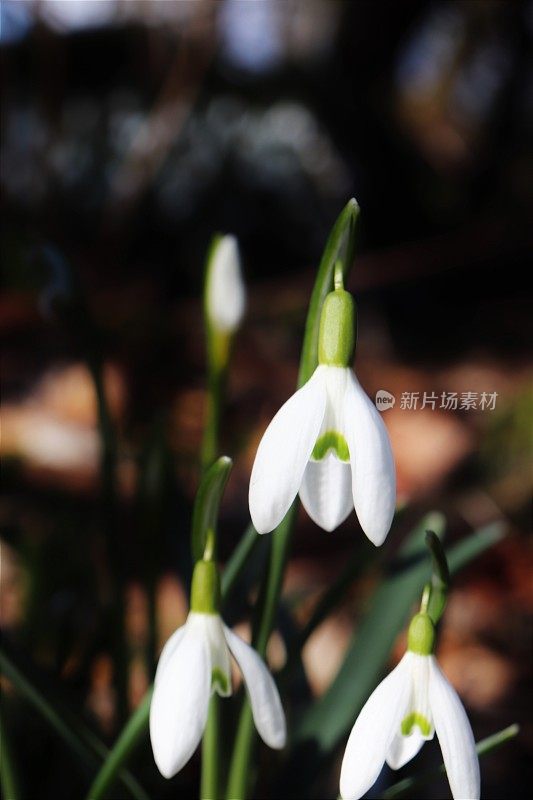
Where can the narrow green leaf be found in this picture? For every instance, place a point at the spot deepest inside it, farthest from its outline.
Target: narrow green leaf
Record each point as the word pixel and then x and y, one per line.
pixel 327 603
pixel 206 505
pixel 483 748
pixel 46 710
pixel 81 741
pixel 339 249
pixel 330 718
pixel 132 733
pixel 239 557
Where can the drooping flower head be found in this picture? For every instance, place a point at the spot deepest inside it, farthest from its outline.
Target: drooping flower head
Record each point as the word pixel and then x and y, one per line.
pixel 412 704
pixel 195 663
pixel 327 442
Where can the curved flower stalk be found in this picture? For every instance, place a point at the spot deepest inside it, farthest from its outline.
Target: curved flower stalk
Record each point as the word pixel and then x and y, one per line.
pixel 327 442
pixel 195 663
pixel 412 704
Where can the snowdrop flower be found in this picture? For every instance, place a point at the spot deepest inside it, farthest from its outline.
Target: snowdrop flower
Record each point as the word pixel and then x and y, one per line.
pixel 194 663
pixel 327 442
pixel 407 708
pixel 224 291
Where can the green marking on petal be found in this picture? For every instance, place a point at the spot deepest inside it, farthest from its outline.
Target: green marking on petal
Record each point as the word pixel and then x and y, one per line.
pixel 220 679
pixel 331 440
pixel 416 719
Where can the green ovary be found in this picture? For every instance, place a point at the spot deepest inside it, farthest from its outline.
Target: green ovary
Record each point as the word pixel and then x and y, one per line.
pixel 331 440
pixel 220 679
pixel 409 722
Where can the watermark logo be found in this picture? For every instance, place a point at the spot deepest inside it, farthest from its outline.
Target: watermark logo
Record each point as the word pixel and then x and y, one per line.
pixel 384 400
pixel 449 401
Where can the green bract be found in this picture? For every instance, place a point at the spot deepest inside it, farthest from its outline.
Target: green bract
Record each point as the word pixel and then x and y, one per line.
pixel 421 635
pixel 336 340
pixel 205 590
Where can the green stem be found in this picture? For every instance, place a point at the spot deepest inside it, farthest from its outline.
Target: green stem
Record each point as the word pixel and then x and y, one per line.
pixel 483 747
pixel 217 362
pixel 216 384
pixel 270 593
pixel 8 773
pixel 426 595
pixel 210 760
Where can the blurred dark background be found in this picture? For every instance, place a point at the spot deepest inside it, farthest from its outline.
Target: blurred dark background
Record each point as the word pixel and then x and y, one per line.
pixel 131 133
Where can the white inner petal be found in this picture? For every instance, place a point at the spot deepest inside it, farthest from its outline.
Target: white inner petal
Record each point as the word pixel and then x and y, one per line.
pixel 418 716
pixel 213 630
pixel 335 379
pixel 326 491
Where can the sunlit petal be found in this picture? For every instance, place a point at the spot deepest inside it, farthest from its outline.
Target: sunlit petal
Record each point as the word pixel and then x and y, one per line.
pixel 373 472
pixel 373 732
pixel 178 711
pixel 455 736
pixel 264 697
pixel 283 454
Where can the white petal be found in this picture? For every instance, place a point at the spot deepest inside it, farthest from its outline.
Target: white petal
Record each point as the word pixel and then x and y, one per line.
pixel 326 491
pixel 225 294
pixel 455 736
pixel 373 732
pixel 283 453
pixel 178 711
pixel 373 473
pixel 403 748
pixel 213 629
pixel 168 650
pixel 264 697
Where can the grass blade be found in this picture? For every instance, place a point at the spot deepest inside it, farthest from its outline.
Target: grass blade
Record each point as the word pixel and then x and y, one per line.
pixel 132 733
pixel 80 740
